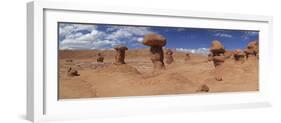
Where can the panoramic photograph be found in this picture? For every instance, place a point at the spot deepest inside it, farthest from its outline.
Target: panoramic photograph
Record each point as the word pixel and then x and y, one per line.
pixel 107 60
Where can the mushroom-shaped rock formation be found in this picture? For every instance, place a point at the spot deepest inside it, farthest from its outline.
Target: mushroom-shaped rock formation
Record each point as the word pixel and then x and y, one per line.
pixel 120 54
pixel 169 56
pixel 187 57
pixel 217 48
pixel 71 72
pixel 239 56
pixel 217 56
pixel 253 45
pixel 252 50
pixel 156 42
pixel 100 58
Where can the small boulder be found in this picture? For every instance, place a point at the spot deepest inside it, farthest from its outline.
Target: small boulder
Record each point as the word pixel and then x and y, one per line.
pixel 100 58
pixel 71 72
pixel 204 88
pixel 187 57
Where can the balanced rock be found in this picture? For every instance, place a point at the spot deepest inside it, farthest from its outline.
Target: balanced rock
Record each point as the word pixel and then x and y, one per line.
pixel 156 42
pixel 217 56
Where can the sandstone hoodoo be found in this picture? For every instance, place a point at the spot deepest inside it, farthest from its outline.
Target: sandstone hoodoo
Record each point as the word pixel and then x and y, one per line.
pixel 169 56
pixel 120 54
pixel 239 56
pixel 100 58
pixel 71 72
pixel 252 50
pixel 156 42
pixel 217 56
pixel 187 57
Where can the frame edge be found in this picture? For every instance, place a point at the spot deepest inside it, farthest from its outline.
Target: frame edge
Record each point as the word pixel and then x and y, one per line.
pixel 30 60
pixel 35 79
pixel 34 101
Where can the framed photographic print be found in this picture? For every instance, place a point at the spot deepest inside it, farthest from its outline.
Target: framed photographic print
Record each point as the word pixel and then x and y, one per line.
pixel 96 61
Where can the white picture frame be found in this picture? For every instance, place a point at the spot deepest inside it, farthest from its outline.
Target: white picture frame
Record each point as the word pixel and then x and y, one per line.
pixel 42 103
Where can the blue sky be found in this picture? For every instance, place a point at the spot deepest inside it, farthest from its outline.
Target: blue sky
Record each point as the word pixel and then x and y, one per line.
pixel 101 36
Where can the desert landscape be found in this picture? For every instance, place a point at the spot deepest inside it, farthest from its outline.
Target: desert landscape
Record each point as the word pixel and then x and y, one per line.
pixel 156 70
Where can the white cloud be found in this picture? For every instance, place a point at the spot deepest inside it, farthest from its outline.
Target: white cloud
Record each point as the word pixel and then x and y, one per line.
pixel 248 34
pixel 251 33
pixel 73 38
pixel 202 51
pixel 140 39
pixel 225 35
pixel 74 44
pixel 66 30
pixel 94 35
pixel 127 31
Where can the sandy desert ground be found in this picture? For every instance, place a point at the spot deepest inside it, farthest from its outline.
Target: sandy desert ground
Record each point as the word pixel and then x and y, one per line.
pixel 136 77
